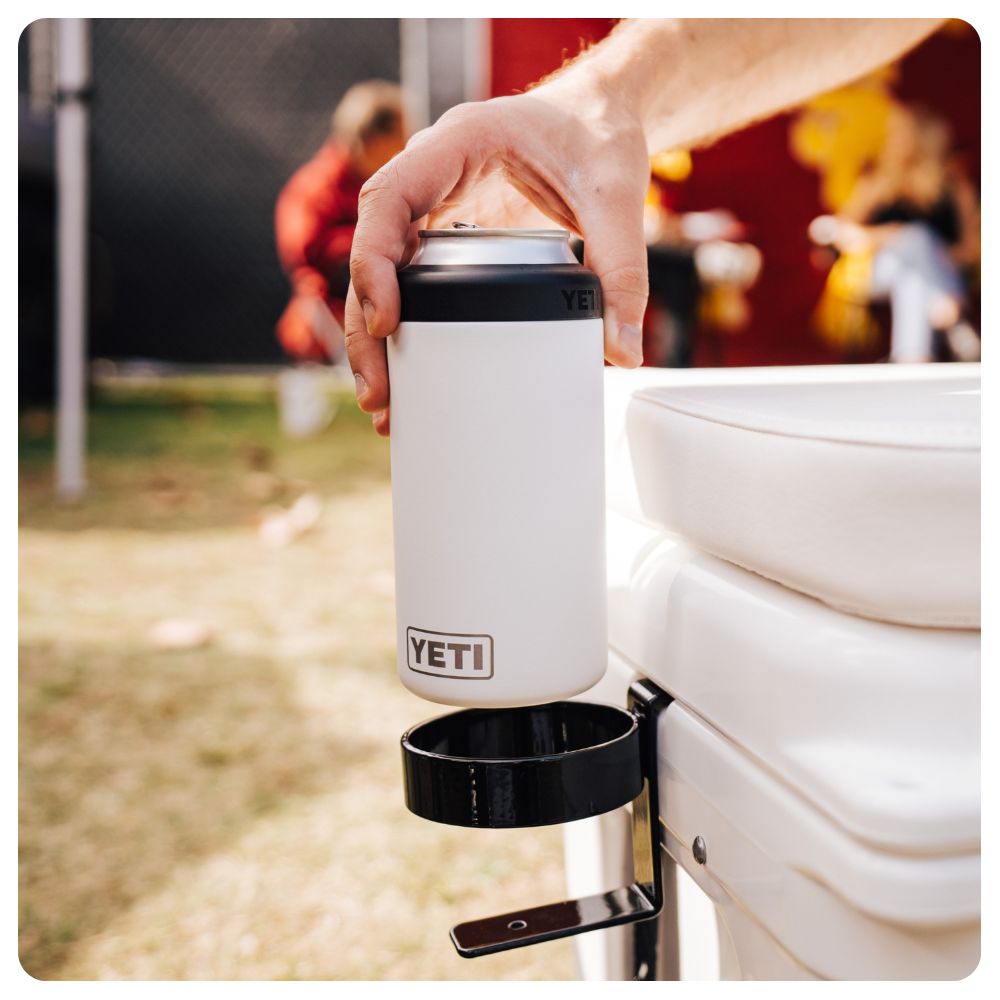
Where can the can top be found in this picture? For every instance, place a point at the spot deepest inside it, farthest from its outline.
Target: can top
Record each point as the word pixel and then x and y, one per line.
pixel 466 244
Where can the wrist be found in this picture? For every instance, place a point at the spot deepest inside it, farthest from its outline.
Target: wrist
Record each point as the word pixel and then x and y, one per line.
pixel 308 282
pixel 594 93
pixel 630 78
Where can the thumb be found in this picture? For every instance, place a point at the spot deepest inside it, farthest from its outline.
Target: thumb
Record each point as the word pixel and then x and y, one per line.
pixel 615 250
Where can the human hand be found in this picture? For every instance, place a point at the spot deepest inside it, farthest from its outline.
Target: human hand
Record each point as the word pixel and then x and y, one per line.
pixel 567 150
pixel 847 236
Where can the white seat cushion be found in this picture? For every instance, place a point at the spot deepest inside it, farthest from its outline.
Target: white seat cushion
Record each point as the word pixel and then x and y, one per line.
pixel 855 485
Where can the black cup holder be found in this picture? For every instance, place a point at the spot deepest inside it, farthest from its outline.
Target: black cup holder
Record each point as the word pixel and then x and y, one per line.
pixel 513 767
pixel 535 766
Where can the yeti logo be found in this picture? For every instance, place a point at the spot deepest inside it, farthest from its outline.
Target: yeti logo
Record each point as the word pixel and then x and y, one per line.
pixel 580 299
pixel 449 654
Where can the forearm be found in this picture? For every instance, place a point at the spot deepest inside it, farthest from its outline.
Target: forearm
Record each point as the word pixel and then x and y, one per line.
pixel 576 148
pixel 688 81
pixel 969 247
pixel 332 257
pixel 967 253
pixel 308 282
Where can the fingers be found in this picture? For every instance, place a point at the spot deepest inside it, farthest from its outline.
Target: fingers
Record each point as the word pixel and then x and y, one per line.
pixel 616 252
pixel 366 356
pixel 380 421
pixel 404 190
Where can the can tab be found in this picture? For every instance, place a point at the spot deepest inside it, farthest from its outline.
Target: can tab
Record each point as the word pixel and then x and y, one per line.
pixel 465 225
pixel 640 901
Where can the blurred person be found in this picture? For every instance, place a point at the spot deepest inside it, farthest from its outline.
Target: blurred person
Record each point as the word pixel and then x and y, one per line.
pixel 699 272
pixel 317 211
pixel 575 149
pixel 908 229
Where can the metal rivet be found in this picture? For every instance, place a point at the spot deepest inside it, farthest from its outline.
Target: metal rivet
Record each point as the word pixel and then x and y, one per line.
pixel 517 925
pixel 699 850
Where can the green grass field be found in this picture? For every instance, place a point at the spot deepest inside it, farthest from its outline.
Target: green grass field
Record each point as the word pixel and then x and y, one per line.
pixel 232 811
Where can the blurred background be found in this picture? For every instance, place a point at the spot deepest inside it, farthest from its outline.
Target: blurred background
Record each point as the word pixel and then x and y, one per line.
pixel 209 710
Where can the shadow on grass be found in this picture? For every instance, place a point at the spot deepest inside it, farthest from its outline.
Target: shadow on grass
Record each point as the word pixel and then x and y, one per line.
pixel 134 764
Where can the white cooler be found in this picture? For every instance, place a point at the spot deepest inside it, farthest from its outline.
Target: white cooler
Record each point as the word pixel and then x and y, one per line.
pixel 793 556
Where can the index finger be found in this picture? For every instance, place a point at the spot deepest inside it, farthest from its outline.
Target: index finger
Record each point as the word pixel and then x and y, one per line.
pixel 404 190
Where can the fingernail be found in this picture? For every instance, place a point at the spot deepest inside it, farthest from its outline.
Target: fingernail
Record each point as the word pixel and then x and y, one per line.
pixel 369 310
pixel 630 341
pixel 360 385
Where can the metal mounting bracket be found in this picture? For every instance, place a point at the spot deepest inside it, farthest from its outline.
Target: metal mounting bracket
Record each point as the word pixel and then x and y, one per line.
pixel 642 900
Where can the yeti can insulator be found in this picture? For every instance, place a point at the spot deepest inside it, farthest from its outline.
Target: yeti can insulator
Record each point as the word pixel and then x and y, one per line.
pixel 496 376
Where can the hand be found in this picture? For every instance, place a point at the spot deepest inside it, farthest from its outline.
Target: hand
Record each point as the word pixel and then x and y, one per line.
pixel 854 238
pixel 847 236
pixel 566 150
pixel 823 230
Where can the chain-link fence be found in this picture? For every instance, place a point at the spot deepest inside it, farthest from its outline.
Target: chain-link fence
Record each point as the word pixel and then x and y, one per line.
pixel 196 125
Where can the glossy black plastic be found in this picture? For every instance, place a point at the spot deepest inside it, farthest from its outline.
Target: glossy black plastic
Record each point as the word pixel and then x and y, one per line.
pixel 556 920
pixel 522 767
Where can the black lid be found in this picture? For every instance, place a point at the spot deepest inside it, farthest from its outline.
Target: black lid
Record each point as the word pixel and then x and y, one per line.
pixel 514 767
pixel 498 293
pixel 467 274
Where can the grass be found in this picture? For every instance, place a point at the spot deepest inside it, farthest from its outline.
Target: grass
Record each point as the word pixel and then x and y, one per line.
pixel 235 811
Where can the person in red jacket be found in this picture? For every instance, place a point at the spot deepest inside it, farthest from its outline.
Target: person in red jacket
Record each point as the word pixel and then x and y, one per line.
pixel 317 211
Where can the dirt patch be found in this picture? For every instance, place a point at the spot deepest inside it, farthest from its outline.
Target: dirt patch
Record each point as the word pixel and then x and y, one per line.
pixel 233 811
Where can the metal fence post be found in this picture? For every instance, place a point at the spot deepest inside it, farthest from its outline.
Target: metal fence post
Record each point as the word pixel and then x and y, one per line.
pixel 72 94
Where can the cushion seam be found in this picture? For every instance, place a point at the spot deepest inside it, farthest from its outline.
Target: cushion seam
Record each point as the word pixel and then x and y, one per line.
pixel 963 623
pixel 674 408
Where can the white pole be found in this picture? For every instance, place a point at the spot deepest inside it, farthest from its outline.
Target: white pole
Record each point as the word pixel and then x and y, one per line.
pixel 476 58
pixel 72 83
pixel 415 71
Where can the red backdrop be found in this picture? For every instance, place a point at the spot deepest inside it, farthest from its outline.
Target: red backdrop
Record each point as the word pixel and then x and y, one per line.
pixel 753 174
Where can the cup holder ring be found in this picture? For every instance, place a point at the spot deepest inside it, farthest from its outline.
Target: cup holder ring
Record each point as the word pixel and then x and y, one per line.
pixel 520 767
pixel 537 766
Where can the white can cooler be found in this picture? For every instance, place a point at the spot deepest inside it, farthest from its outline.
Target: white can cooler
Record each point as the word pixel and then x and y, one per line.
pixel 496 376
